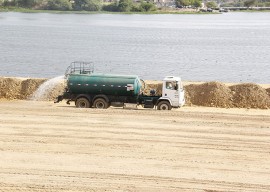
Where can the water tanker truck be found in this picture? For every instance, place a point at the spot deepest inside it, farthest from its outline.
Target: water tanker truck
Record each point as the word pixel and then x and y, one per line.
pixel 88 89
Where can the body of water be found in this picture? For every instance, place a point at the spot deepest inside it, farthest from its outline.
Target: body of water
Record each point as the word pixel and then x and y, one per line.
pixel 230 47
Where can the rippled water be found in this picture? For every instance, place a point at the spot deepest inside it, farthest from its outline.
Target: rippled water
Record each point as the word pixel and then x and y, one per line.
pixel 231 47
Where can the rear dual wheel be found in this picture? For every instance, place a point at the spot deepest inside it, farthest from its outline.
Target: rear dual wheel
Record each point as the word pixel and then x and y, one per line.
pixel 101 104
pixel 82 103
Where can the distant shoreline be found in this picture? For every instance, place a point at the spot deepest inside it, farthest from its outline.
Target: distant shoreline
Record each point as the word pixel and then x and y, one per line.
pixel 168 11
pixel 25 10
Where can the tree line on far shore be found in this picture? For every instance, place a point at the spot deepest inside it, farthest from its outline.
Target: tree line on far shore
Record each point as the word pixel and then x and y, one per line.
pixel 246 3
pixel 124 5
pixel 82 5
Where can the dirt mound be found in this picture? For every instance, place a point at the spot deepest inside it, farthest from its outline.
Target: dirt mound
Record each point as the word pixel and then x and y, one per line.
pixel 249 95
pixel 16 88
pixel 268 91
pixel 29 86
pixel 188 96
pixel 10 88
pixel 211 94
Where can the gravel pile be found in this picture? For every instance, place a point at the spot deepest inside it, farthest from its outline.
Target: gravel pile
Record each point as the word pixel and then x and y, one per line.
pixel 16 88
pixel 268 91
pixel 29 86
pixel 10 88
pixel 249 95
pixel 211 94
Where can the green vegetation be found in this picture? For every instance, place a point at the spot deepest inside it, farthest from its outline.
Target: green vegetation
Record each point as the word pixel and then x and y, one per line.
pixel 188 3
pixel 123 6
pixel 85 6
pixel 62 5
pixel 249 3
pixel 211 4
pixel 246 3
pixel 127 6
pixel 147 6
pixel 78 5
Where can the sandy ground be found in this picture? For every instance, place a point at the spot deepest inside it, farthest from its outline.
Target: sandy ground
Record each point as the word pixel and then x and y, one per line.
pixel 56 147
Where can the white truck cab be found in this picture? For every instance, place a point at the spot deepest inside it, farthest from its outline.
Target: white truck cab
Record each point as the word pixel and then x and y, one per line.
pixel 172 92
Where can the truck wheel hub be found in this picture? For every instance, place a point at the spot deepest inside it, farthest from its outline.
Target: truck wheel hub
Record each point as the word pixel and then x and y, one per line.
pixel 164 107
pixel 100 105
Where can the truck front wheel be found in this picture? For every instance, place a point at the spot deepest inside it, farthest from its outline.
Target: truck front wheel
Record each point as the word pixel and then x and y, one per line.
pixel 82 103
pixel 164 105
pixel 101 104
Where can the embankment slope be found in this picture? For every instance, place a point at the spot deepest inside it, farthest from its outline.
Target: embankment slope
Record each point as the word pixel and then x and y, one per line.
pixel 210 94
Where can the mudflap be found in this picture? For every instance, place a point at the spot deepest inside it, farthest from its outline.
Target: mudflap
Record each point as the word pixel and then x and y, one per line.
pixel 58 99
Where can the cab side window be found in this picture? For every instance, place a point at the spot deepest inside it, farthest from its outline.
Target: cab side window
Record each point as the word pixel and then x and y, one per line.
pixel 170 85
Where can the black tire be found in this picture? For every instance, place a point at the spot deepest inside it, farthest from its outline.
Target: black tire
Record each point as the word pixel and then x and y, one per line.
pixel 164 105
pixel 82 103
pixel 101 104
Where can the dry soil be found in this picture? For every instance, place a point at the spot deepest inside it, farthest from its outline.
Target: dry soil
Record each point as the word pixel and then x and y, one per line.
pixel 56 147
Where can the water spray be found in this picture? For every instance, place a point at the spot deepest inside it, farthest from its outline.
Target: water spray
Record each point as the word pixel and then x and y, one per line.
pixel 46 88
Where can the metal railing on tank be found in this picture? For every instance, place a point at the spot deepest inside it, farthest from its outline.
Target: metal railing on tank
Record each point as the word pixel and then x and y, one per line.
pixel 80 67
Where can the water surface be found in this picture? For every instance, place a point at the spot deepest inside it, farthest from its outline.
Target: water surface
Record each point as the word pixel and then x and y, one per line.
pixel 231 47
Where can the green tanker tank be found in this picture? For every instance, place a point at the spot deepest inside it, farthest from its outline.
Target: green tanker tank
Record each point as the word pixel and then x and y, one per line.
pixel 107 84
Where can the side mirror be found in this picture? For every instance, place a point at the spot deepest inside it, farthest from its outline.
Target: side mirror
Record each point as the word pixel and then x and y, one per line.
pixel 176 87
